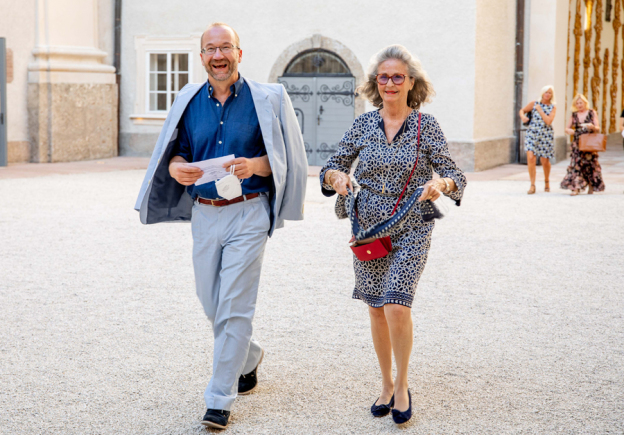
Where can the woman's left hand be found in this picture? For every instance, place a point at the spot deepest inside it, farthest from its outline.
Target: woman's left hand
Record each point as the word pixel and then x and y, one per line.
pixel 432 190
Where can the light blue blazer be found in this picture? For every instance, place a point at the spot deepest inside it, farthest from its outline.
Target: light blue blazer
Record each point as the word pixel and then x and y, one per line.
pixel 162 199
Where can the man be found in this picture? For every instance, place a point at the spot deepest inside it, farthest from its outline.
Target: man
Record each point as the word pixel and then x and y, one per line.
pixel 256 122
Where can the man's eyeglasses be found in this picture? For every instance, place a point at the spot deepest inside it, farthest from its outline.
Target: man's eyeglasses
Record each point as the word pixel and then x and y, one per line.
pixel 397 79
pixel 224 49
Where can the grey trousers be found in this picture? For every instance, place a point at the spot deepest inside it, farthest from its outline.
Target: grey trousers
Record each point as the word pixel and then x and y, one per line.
pixel 228 245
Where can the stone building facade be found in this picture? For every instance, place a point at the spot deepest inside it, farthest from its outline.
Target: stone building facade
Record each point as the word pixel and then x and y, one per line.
pixel 63 99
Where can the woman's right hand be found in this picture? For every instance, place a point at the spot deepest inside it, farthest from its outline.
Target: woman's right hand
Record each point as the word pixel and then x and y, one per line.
pixel 589 127
pixel 340 182
pixel 525 119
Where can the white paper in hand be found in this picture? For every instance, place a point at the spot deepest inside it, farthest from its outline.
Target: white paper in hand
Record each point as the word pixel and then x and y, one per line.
pixel 213 169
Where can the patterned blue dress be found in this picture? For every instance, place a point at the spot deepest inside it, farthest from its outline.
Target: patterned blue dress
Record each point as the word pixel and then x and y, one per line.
pixel 540 138
pixel 393 279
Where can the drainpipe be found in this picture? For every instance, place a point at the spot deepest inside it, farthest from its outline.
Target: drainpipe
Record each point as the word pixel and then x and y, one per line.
pixel 519 74
pixel 117 65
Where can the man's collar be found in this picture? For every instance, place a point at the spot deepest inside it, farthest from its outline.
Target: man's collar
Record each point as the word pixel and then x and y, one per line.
pixel 235 88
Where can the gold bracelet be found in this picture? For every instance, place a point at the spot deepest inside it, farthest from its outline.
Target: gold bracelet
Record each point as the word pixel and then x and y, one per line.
pixel 448 186
pixel 332 173
pixel 328 175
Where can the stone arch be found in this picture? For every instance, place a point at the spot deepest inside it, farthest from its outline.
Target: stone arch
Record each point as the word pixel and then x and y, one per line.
pixel 329 44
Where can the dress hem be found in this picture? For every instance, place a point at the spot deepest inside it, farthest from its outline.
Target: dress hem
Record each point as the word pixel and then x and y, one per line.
pixel 367 301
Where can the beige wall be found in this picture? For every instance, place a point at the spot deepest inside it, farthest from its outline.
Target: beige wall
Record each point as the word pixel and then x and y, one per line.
pixel 72 95
pixel 16 25
pixel 68 22
pixel 494 69
pixel 79 35
pixel 106 29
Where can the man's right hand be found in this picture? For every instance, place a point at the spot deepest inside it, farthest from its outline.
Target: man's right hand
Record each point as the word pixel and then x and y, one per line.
pixel 183 173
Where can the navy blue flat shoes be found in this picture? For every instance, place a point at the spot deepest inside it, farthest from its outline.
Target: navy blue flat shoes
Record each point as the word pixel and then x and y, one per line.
pixel 402 417
pixel 382 410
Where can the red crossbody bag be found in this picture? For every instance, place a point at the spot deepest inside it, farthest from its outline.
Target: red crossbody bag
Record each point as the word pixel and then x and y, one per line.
pixel 382 246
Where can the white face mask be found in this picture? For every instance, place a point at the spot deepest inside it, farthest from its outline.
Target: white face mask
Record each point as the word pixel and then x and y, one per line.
pixel 229 187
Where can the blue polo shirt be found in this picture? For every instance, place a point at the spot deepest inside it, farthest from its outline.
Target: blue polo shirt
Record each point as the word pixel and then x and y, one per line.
pixel 209 129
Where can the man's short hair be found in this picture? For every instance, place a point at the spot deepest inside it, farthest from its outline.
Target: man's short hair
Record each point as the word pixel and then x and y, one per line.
pixel 219 24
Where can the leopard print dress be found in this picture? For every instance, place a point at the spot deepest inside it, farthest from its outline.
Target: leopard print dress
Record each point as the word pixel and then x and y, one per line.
pixel 382 172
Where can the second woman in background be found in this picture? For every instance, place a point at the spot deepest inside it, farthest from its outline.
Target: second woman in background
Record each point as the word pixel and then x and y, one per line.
pixel 584 169
pixel 540 137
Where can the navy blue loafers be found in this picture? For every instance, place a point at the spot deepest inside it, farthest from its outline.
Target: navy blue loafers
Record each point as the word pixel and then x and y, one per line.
pixel 216 418
pixel 247 383
pixel 382 410
pixel 402 417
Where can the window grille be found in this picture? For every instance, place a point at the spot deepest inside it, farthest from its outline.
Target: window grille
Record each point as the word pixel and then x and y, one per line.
pixel 315 63
pixel 168 73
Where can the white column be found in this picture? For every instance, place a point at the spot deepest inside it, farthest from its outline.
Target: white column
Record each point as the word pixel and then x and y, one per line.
pixel 72 93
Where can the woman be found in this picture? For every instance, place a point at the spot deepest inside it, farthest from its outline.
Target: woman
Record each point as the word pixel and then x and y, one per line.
pixel 540 137
pixel 584 169
pixel 385 141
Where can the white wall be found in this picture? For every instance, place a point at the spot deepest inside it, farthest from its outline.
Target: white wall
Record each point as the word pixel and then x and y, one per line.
pixel 494 69
pixel 548 26
pixel 541 62
pixel 441 34
pixel 560 65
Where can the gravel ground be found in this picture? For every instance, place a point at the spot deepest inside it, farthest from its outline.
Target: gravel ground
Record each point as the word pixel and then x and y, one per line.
pixel 518 319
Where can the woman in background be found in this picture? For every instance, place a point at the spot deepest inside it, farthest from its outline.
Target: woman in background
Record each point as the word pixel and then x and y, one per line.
pixel 584 169
pixel 540 138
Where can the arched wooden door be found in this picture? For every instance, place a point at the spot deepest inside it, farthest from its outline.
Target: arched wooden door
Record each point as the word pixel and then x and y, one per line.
pixel 321 89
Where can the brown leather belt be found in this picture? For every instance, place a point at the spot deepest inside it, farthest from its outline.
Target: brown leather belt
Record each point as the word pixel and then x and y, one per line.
pixel 224 202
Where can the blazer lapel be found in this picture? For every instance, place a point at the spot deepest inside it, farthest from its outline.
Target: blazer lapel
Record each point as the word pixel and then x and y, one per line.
pixel 182 100
pixel 264 111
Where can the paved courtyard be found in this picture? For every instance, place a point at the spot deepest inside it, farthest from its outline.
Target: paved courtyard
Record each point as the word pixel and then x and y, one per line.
pixel 518 320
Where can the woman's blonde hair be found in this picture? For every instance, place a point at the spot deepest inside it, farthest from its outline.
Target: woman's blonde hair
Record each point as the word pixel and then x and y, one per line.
pixel 543 91
pixel 582 97
pixel 421 93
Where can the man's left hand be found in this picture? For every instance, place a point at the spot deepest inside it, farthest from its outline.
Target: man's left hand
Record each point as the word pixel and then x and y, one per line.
pixel 244 168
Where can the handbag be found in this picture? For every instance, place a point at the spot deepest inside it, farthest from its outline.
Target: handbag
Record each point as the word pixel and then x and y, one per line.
pixel 371 251
pixel 366 250
pixel 529 115
pixel 593 143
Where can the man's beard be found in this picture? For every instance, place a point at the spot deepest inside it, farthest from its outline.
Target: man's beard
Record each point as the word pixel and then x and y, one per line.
pixel 223 75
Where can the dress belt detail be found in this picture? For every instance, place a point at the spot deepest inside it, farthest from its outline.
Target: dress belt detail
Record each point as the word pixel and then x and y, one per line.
pixel 224 202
